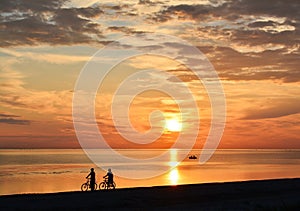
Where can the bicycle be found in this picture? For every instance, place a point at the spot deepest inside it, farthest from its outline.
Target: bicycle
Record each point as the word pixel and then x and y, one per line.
pixel 104 185
pixel 85 186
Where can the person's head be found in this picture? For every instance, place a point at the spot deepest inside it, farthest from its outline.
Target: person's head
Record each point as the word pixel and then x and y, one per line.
pixel 92 169
pixel 109 170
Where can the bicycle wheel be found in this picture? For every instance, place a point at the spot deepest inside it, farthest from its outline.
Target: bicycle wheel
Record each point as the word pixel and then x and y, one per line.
pixel 95 188
pixel 115 185
pixel 102 186
pixel 111 186
pixel 84 187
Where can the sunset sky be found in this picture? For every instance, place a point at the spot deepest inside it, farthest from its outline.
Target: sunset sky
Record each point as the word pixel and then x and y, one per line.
pixel 254 46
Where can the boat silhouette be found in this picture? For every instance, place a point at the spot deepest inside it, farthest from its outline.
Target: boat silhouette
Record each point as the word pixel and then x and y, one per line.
pixel 192 157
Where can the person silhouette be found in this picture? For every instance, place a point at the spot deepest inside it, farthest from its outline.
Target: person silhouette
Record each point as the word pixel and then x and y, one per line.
pixel 110 177
pixel 92 177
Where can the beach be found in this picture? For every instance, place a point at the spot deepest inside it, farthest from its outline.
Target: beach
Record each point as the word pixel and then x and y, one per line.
pixel 64 170
pixel 280 194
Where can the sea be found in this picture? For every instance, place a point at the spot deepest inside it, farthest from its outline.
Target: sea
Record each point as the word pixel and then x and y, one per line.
pixel 59 170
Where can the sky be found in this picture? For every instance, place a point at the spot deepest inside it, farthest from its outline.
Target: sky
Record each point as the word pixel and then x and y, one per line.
pixel 253 46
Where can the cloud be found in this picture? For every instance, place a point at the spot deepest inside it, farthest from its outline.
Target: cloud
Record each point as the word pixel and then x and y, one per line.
pixel 32 5
pixel 8 115
pixel 258 37
pixel 245 22
pixel 290 107
pixel 13 119
pixel 124 29
pixel 244 16
pixel 15 95
pixel 276 8
pixel 46 102
pixel 259 24
pixel 232 10
pixel 242 39
pixel 32 22
pixel 267 65
pixel 144 1
pixel 54 58
pixel 149 3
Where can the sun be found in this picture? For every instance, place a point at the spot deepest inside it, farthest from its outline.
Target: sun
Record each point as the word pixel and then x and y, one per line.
pixel 173 125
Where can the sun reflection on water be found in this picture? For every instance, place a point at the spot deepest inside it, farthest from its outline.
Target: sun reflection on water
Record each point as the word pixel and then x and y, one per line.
pixel 173 158
pixel 173 175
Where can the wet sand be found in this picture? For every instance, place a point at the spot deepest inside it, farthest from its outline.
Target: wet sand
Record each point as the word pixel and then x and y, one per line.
pixel 279 194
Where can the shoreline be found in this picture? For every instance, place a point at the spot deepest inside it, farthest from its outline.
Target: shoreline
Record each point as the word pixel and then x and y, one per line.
pixel 255 194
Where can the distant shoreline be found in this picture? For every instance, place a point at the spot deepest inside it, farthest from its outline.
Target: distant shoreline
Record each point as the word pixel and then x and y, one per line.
pixel 257 194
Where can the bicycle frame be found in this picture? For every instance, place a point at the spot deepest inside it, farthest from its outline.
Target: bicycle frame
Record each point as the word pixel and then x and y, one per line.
pixel 105 185
pixel 87 185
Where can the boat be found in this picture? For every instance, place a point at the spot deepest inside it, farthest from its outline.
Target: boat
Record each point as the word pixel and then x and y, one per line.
pixel 192 157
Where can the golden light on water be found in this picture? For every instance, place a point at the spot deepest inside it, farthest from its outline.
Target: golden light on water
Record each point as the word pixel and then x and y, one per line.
pixel 173 158
pixel 173 175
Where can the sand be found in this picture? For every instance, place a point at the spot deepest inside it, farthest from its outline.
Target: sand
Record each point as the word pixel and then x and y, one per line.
pixel 279 194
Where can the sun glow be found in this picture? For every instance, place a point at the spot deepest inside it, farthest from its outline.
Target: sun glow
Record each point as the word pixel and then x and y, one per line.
pixel 173 125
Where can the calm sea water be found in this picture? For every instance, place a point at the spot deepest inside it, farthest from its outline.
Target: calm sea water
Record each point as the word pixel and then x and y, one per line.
pixel 37 171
